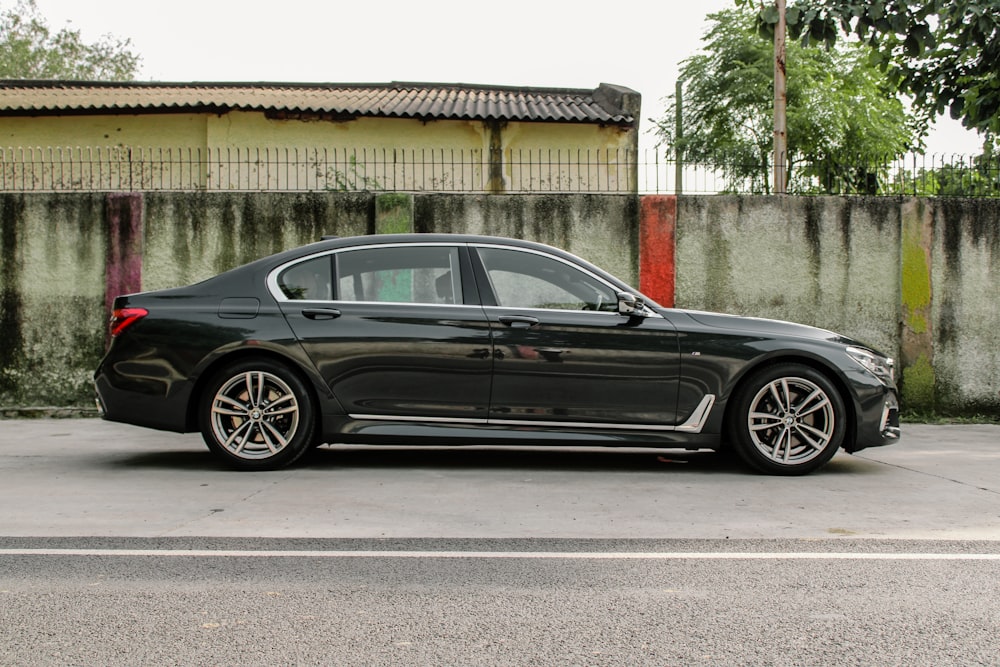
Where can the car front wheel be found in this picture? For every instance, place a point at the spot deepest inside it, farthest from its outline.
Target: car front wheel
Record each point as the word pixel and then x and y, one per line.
pixel 257 415
pixel 788 419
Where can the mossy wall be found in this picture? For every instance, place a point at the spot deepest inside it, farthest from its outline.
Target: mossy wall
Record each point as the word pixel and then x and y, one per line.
pixel 917 278
pixel 63 257
pixel 52 316
pixel 965 305
pixel 603 229
pixel 832 262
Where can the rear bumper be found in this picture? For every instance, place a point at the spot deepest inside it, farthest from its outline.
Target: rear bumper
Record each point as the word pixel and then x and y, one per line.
pixel 138 405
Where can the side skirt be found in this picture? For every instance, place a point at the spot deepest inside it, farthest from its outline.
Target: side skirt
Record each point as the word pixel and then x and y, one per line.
pixel 402 430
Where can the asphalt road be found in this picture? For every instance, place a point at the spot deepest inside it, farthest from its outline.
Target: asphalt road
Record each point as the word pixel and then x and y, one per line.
pixel 121 546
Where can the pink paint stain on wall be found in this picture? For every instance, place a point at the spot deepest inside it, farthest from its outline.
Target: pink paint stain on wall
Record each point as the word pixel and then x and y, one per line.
pixel 123 265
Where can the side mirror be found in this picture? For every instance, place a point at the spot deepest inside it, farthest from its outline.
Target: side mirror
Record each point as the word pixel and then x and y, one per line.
pixel 631 305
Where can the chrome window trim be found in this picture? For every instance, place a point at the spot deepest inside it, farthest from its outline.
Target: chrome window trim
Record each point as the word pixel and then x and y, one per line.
pixel 693 424
pixel 508 309
pixel 279 295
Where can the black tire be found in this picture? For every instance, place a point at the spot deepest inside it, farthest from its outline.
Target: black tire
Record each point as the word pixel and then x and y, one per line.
pixel 787 419
pixel 257 414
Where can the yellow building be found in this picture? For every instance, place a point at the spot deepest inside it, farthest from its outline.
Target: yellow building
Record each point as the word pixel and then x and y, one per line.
pixel 101 136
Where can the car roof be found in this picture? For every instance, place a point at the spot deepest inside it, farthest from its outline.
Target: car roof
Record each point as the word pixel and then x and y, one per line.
pixel 267 264
pixel 333 243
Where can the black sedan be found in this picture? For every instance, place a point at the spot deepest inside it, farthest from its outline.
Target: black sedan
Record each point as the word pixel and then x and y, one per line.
pixel 447 339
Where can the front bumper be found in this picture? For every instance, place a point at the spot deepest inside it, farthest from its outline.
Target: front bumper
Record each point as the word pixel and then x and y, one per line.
pixel 878 420
pixel 889 424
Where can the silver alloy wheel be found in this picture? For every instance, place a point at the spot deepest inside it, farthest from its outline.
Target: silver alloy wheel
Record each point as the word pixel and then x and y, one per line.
pixel 254 415
pixel 791 420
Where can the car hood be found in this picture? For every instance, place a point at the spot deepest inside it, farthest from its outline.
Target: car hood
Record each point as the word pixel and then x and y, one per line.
pixel 767 327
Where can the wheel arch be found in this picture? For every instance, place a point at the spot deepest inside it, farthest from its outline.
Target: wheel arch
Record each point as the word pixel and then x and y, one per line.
pixel 850 404
pixel 241 354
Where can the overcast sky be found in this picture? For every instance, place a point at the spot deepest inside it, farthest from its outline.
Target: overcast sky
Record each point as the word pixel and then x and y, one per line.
pixel 638 44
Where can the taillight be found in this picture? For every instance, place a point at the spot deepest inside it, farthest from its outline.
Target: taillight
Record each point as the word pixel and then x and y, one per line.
pixel 123 318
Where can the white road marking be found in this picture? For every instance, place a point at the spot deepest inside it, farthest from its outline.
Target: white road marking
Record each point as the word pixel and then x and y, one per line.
pixel 552 555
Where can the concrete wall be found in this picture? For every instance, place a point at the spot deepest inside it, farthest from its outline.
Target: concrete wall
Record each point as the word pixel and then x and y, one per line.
pixel 830 262
pixel 64 257
pixel 917 278
pixel 52 316
pixel 189 237
pixel 964 294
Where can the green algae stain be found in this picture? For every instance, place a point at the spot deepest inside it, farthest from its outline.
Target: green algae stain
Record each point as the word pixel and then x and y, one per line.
pixel 393 213
pixel 917 323
pixel 915 278
pixel 917 386
pixel 918 382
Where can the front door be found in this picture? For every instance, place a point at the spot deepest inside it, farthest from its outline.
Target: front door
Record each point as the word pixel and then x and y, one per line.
pixel 564 355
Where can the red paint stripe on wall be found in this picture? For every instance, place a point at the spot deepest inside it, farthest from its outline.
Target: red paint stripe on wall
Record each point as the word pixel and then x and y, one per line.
pixel 123 264
pixel 657 226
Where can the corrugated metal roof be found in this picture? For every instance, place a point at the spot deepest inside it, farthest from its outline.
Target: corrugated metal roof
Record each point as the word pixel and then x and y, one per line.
pixel 606 104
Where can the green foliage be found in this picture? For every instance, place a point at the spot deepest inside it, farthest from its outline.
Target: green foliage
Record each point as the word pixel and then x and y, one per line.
pixel 352 180
pixel 29 49
pixel 842 113
pixel 953 176
pixel 942 52
pixel 960 180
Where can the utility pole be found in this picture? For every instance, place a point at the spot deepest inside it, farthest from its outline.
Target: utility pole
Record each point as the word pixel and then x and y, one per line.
pixel 780 122
pixel 678 136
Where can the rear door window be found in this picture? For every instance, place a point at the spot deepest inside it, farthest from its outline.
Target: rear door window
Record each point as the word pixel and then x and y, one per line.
pixel 309 280
pixel 411 274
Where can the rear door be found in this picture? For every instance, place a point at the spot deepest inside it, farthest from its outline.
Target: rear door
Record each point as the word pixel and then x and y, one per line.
pixel 395 330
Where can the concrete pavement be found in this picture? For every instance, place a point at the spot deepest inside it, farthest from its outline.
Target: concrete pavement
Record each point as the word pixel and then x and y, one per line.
pixel 87 477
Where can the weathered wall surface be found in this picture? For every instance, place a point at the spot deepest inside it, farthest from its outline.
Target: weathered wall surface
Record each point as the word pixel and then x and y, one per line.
pixel 64 257
pixel 917 278
pixel 52 321
pixel 602 229
pixel 190 237
pixel 965 305
pixel 831 262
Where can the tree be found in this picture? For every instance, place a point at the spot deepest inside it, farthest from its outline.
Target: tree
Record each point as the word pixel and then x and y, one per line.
pixel 942 52
pixel 29 49
pixel 842 114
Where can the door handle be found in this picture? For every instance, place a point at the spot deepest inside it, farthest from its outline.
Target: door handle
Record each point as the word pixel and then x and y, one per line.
pixel 321 313
pixel 518 321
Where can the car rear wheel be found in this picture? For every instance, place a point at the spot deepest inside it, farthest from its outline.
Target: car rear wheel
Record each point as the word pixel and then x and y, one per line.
pixel 787 419
pixel 257 415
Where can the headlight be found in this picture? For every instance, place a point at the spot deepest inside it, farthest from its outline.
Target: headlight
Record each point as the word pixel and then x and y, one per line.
pixel 881 367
